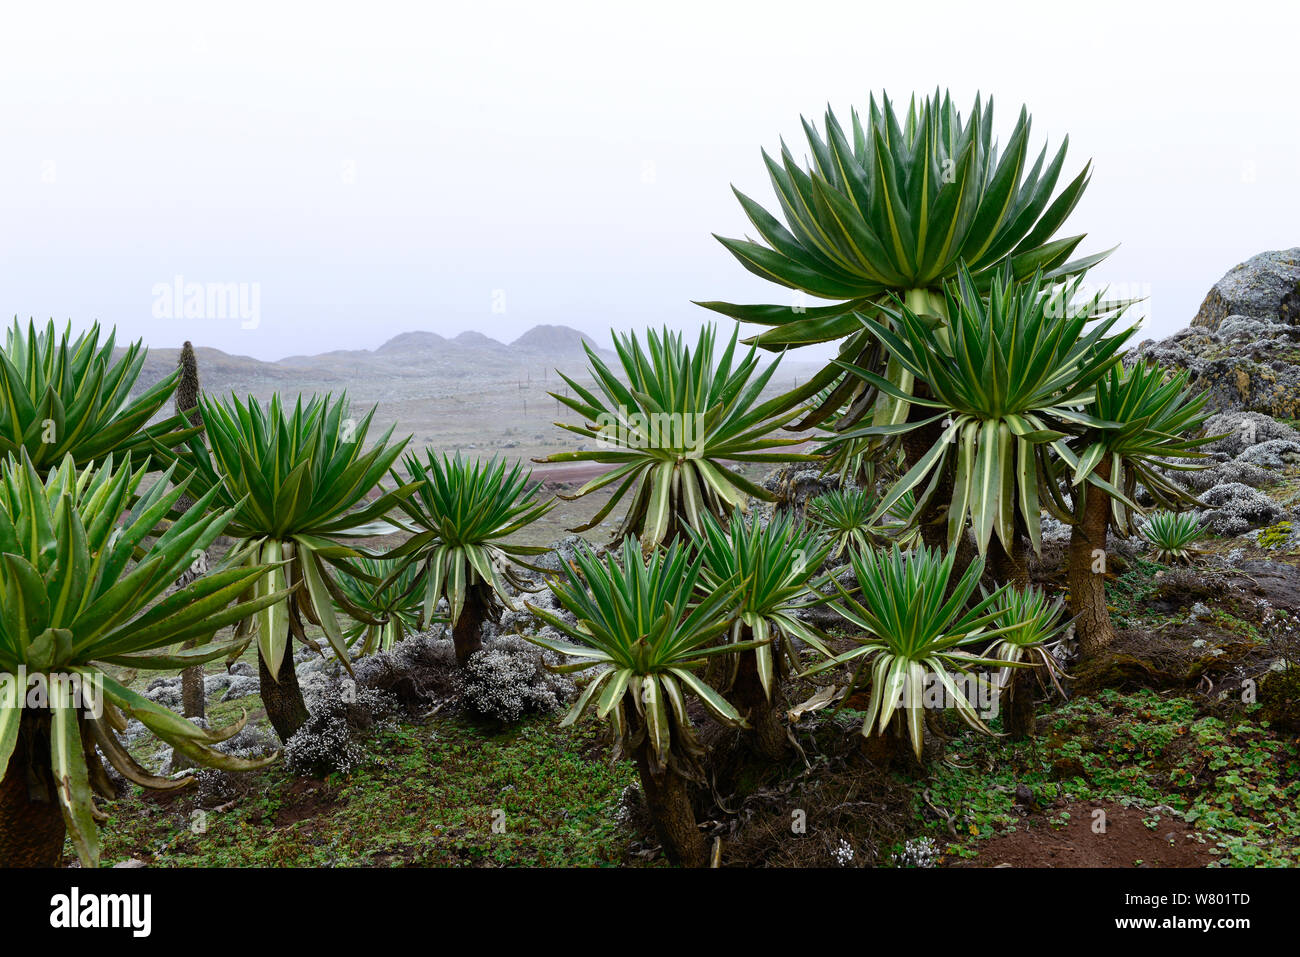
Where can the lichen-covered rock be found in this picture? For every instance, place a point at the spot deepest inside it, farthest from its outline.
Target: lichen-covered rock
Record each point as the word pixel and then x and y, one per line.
pixel 165 691
pixel 242 686
pixel 1266 286
pixel 561 553
pixel 1245 430
pixel 1251 450
pixel 1243 346
pixel 1273 454
pixel 1234 509
pixel 794 485
pixel 1262 375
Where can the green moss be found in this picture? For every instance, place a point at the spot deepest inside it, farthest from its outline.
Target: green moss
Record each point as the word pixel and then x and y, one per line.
pixel 1275 536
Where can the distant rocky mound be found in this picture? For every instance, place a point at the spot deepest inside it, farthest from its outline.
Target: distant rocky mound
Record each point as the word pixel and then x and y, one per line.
pixel 417 355
pixel 552 340
pixel 1244 343
pixel 411 342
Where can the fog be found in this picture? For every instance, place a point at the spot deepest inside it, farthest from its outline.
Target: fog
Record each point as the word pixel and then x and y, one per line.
pixel 360 170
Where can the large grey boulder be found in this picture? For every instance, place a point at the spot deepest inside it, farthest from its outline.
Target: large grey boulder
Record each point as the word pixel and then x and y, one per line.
pixel 1243 346
pixel 1266 286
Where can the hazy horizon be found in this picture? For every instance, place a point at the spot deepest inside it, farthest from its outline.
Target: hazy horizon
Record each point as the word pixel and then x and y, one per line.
pixel 512 165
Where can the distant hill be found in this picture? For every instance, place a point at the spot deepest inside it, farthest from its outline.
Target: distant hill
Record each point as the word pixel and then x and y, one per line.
pixel 553 340
pixel 411 362
pixel 419 341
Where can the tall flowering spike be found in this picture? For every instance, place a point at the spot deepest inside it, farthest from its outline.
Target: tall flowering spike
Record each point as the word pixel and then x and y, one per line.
pixel 187 388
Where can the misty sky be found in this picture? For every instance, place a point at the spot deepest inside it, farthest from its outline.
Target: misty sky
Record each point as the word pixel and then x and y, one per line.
pixel 368 169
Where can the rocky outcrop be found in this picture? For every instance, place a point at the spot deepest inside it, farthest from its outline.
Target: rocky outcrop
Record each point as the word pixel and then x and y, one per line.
pixel 1244 343
pixel 1264 286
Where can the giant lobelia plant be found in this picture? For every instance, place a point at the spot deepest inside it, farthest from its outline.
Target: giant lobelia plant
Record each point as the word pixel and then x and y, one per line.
pixel 772 565
pixel 463 514
pixel 639 626
pixel 301 483
pixel 668 429
pixel 61 396
pixel 912 628
pixel 888 208
pixel 1009 378
pixel 1147 425
pixel 82 594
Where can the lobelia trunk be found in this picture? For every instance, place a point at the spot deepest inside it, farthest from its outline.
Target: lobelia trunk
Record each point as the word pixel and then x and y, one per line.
pixel 467 632
pixel 1018 713
pixel 31 823
pixel 192 697
pixel 767 734
pixel 1087 571
pixel 1008 566
pixel 892 749
pixel 285 707
pixel 669 805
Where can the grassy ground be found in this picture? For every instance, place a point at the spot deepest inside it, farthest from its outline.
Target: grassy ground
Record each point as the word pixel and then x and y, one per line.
pixel 442 793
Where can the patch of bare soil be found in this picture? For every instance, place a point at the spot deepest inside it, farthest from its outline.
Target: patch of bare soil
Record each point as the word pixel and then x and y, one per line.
pixel 1126 842
pixel 305 798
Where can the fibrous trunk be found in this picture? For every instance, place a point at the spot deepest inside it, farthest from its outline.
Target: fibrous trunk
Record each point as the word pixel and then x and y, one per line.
pixel 31 822
pixel 1087 572
pixel 670 809
pixel 193 704
pixel 767 731
pixel 1008 566
pixel 187 403
pixel 1018 703
pixel 285 707
pixel 467 632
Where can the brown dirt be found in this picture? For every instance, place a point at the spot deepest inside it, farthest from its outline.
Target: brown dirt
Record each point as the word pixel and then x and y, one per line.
pixel 1126 842
pixel 304 799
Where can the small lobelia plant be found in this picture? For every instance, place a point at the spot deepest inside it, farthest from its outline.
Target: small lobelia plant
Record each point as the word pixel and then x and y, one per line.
pixel 913 626
pixel 844 515
pixel 847 517
pixel 463 513
pixel 82 595
pixel 1174 535
pixel 1029 623
pixel 641 629
pixel 300 484
pixel 391 606
pixel 773 565
pixel 1148 426
pixel 669 428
